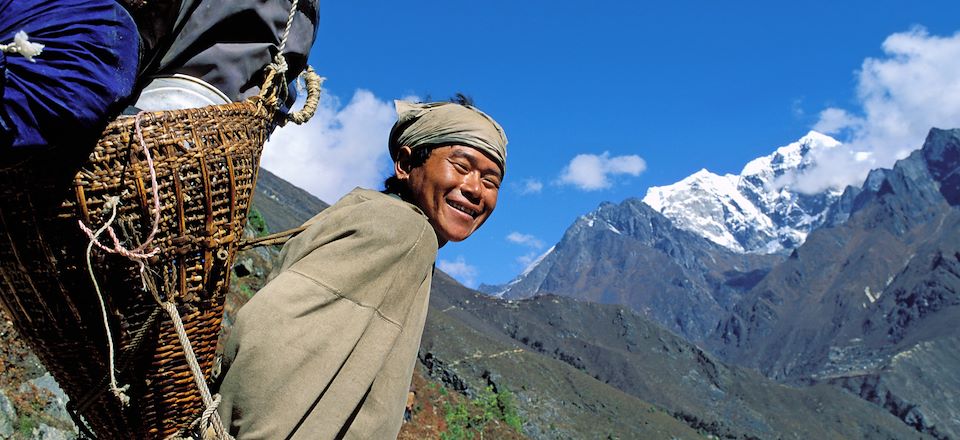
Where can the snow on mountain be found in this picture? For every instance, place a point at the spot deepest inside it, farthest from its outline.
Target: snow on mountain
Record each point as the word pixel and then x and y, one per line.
pixel 501 290
pixel 749 212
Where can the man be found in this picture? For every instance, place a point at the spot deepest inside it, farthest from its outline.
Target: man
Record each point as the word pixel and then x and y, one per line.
pixel 327 348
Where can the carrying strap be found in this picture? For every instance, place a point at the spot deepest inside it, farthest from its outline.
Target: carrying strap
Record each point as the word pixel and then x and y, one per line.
pixel 272 239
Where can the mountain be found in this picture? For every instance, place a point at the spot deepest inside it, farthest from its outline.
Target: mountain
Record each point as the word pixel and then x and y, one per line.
pixel 631 254
pixel 677 256
pixel 752 211
pixel 870 304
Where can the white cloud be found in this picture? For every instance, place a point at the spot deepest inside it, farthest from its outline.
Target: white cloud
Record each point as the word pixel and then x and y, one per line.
pixel 340 148
pixel 526 260
pixel 591 172
pixel 797 108
pixel 525 240
pixel 459 269
pixel 531 186
pixel 835 120
pixel 901 95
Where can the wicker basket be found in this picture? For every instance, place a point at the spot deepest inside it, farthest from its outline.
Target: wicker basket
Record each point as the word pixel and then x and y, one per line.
pixel 206 163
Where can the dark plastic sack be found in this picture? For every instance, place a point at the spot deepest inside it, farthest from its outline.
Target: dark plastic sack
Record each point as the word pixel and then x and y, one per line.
pixel 84 75
pixel 228 43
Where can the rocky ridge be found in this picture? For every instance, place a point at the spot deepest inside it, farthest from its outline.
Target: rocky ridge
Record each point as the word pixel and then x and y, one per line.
pixel 631 254
pixel 869 304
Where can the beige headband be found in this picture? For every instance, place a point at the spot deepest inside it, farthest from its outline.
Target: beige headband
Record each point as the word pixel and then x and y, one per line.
pixel 439 123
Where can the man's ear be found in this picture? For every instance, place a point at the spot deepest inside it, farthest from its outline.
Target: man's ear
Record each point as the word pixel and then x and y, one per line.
pixel 402 166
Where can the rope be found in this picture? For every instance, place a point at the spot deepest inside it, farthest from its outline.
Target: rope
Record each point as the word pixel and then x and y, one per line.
pixel 286 32
pixel 120 392
pixel 314 84
pixel 279 63
pixel 129 354
pixel 210 415
pixel 209 412
pixel 22 45
pixel 279 66
pixel 137 254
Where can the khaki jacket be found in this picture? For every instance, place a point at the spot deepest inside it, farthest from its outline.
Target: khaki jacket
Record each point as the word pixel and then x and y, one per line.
pixel 327 348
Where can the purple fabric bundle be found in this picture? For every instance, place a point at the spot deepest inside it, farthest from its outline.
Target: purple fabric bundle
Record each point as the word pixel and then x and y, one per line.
pixel 84 75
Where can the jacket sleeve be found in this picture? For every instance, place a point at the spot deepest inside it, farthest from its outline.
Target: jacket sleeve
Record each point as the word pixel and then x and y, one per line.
pixel 317 335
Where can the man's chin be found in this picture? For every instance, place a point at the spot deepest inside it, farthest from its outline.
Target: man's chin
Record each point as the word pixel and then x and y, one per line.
pixel 454 236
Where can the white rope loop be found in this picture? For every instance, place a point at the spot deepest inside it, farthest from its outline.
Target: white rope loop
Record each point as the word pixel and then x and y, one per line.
pixel 22 46
pixel 118 391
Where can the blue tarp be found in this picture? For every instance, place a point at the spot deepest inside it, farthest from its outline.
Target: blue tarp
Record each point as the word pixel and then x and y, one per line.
pixel 85 74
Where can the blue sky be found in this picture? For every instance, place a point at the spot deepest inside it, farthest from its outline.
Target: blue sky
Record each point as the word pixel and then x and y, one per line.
pixel 602 100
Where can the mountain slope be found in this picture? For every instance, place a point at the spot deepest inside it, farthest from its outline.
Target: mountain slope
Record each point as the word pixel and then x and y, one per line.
pixel 282 205
pixel 468 353
pixel 639 358
pixel 752 211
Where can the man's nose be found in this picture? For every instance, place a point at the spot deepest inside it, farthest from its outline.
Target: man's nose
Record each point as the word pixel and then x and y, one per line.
pixel 471 186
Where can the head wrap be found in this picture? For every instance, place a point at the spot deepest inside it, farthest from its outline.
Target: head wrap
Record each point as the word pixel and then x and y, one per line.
pixel 440 123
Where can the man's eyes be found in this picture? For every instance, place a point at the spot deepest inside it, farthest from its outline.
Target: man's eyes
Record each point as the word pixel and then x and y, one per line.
pixel 489 182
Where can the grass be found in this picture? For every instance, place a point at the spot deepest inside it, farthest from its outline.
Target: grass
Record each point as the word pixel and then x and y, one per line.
pixel 255 221
pixel 491 405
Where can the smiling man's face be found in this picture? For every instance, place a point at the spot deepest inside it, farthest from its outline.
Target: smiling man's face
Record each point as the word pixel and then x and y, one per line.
pixel 456 188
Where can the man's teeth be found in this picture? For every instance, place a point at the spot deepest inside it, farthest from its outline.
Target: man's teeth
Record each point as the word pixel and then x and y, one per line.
pixel 464 209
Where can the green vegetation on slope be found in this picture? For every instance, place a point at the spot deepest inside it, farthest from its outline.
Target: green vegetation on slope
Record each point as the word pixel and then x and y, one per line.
pixel 492 405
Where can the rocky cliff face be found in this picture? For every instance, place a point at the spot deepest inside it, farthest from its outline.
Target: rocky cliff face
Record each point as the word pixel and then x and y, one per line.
pixel 631 254
pixel 862 304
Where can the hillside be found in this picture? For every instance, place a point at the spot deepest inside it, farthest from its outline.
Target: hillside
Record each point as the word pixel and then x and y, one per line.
pixel 282 205
pixel 625 351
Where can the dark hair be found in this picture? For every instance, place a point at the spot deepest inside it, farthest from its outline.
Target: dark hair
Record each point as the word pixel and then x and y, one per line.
pixel 458 98
pixel 393 185
pixel 461 99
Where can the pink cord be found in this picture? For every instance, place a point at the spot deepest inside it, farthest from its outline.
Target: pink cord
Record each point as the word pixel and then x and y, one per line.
pixel 137 254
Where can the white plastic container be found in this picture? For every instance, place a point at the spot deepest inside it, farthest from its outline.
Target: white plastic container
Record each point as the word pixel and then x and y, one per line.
pixel 178 92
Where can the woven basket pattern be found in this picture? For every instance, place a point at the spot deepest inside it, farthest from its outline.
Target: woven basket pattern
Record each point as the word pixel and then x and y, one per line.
pixel 206 163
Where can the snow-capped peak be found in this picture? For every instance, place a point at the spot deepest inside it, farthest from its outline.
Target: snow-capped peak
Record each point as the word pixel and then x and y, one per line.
pixel 790 156
pixel 746 212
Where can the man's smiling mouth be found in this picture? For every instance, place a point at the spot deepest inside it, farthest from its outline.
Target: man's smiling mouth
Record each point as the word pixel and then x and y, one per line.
pixel 463 209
